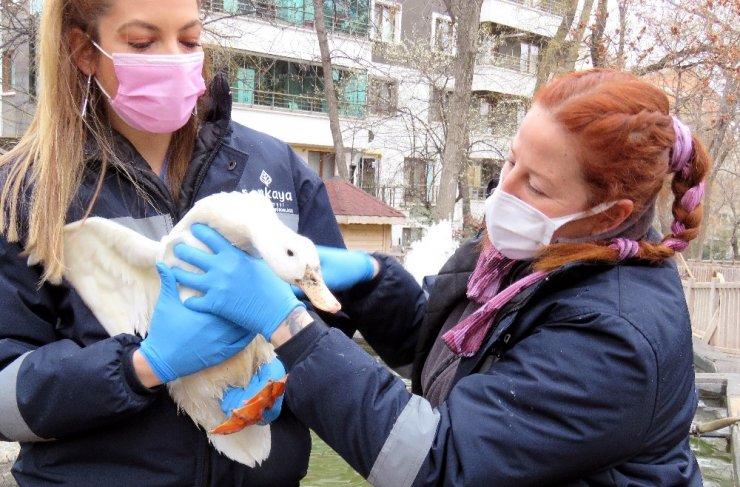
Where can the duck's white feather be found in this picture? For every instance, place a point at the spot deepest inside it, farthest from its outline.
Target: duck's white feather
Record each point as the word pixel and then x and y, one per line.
pixel 113 270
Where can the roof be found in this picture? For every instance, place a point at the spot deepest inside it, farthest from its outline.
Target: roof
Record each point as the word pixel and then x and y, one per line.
pixel 353 205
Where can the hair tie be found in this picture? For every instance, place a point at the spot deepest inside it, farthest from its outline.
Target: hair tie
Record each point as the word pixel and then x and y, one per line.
pixel 676 244
pixel 692 197
pixel 682 148
pixel 627 248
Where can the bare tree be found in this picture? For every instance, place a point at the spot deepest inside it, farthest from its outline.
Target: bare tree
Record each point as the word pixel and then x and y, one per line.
pixel 561 52
pixel 330 91
pixel 466 17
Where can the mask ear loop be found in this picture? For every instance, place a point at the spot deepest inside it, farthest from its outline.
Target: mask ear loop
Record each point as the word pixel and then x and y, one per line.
pixel 83 108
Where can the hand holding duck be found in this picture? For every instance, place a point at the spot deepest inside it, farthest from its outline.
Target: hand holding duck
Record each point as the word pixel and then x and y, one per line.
pixel 259 309
pixel 181 341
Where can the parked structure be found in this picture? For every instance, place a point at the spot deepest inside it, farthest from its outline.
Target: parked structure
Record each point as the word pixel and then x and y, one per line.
pixel 365 222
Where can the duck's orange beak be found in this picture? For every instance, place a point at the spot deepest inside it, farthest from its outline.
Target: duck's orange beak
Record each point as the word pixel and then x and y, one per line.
pixel 316 291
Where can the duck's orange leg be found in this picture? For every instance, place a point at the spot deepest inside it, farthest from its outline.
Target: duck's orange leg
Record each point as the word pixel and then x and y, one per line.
pixel 252 410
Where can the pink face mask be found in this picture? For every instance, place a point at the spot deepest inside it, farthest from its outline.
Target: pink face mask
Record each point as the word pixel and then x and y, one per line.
pixel 156 92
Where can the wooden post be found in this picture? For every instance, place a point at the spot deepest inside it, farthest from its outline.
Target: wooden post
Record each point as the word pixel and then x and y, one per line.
pixel 713 314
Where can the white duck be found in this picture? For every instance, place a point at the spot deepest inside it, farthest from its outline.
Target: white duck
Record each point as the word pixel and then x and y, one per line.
pixel 113 269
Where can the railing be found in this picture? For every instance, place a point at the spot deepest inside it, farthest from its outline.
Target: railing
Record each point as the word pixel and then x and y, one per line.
pixel 554 7
pixel 477 193
pixel 404 197
pixel 343 22
pixel 507 61
pixel 289 101
pixel 714 303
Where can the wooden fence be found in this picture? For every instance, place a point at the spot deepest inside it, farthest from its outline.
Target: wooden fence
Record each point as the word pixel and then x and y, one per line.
pixel 713 297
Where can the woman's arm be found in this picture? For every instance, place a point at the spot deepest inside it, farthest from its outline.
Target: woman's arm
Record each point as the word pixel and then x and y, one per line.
pixel 51 384
pixel 547 412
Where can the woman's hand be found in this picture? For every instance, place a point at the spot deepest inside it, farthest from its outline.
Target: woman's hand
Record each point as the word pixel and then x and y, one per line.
pixel 235 397
pixel 343 269
pixel 182 341
pixel 235 285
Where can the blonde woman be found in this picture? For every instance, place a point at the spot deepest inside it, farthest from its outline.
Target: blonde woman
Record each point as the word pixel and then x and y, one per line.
pixel 126 129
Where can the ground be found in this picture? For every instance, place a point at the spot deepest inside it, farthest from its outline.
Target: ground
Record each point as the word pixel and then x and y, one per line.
pixel 8 452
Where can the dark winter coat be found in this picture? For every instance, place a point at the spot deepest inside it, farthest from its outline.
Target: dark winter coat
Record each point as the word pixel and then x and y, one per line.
pixel 585 379
pixel 68 393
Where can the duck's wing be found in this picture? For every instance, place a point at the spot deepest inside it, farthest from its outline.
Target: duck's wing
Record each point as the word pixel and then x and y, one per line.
pixel 112 268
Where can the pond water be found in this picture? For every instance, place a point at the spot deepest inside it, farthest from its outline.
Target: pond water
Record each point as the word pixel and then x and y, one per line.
pixel 714 454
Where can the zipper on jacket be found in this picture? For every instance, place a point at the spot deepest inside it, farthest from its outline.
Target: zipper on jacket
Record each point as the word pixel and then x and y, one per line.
pixel 203 170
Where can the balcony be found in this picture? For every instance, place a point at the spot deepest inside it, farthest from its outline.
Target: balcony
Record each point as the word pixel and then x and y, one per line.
pixel 554 7
pixel 507 61
pixel 539 17
pixel 304 103
pixel 349 18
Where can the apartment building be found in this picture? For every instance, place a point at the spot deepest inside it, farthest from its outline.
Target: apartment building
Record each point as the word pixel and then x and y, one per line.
pixel 391 63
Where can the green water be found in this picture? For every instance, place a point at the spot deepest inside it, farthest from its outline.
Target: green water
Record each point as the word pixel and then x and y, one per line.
pixel 328 468
pixel 714 454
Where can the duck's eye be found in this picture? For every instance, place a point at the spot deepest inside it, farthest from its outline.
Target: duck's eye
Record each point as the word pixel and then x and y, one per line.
pixel 290 253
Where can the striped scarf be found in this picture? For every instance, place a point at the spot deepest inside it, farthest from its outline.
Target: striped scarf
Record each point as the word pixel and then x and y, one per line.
pixel 466 337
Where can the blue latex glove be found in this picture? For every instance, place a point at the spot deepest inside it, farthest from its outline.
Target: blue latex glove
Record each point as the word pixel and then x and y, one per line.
pixel 235 397
pixel 342 268
pixel 235 285
pixel 182 341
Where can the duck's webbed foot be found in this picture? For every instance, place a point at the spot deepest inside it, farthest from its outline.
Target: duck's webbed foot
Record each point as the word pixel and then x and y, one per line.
pixel 252 410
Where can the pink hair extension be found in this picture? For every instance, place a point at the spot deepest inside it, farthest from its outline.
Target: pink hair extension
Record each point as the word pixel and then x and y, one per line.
pixel 682 148
pixel 680 157
pixel 676 244
pixel 627 248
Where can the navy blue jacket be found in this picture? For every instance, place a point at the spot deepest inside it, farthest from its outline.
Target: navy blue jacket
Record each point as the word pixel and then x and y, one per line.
pixel 585 379
pixel 62 379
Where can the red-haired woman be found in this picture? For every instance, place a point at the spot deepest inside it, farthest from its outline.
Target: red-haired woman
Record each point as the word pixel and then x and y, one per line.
pixel 556 351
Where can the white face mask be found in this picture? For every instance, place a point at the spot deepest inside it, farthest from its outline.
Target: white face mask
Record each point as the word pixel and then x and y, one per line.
pixel 518 230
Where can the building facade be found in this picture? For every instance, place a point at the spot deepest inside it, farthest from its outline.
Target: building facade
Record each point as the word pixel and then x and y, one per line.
pixel 392 65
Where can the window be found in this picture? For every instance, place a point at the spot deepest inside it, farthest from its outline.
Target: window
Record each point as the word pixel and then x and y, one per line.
pixel 480 172
pixel 258 8
pixel 530 54
pixel 443 34
pixel 382 96
pixel 417 180
pixel 499 114
pixel 410 235
pixel 346 16
pixel 439 104
pixel 509 48
pixel 386 21
pixel 277 83
pixel 367 174
pixel 322 163
pixel 8 73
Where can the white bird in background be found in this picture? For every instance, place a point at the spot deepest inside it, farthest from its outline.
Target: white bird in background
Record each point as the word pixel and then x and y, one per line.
pixel 113 270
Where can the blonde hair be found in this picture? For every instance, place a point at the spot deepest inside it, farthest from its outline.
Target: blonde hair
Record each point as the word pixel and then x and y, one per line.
pixel 43 173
